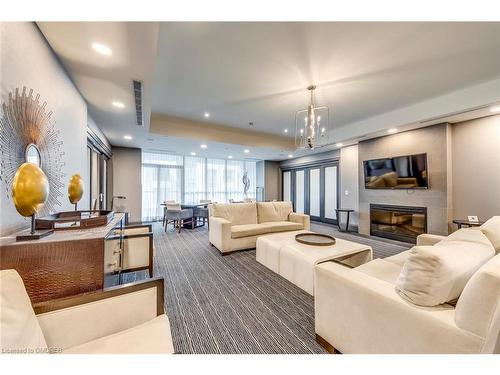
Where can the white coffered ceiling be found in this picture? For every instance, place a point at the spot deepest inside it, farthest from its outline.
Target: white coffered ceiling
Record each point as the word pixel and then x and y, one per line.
pixel 258 72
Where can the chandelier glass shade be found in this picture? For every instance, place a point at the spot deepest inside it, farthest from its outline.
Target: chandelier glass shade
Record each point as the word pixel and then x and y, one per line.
pixel 312 125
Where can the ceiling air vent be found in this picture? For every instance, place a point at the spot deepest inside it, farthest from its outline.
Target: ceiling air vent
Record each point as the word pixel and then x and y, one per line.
pixel 138 102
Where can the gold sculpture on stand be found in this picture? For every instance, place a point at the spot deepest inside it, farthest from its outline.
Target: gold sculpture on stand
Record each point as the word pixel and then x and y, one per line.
pixel 30 190
pixel 75 190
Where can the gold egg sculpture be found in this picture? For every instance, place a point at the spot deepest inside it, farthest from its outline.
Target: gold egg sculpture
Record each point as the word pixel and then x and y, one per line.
pixel 75 189
pixel 30 189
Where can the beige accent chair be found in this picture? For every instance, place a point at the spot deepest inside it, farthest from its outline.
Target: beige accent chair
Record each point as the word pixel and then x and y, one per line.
pixel 359 311
pixel 236 226
pixel 127 319
pixel 129 250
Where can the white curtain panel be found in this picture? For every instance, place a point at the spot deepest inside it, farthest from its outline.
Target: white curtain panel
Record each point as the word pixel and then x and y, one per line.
pixel 194 179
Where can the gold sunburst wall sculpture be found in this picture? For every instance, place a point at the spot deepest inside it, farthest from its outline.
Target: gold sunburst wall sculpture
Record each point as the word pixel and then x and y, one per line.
pixel 25 122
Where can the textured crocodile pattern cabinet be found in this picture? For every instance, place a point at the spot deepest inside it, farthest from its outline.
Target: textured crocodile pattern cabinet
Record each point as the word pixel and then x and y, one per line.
pixel 67 262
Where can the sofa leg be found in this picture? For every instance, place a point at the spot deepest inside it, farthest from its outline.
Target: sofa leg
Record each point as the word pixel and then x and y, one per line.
pixel 326 345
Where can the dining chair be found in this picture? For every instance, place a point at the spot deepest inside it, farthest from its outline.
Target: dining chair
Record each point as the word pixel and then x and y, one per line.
pixel 165 211
pixel 178 216
pixel 202 212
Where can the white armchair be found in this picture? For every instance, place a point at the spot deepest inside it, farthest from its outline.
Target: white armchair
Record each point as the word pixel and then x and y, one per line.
pixel 125 319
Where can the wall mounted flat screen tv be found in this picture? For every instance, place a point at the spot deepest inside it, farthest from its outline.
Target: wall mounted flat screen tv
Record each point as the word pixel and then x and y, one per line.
pixel 400 172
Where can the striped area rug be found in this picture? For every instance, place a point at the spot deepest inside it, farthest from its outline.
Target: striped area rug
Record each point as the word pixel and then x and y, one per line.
pixel 232 304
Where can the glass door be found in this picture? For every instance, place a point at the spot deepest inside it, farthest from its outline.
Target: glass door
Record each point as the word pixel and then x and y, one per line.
pixel 330 194
pixel 300 191
pixel 313 191
pixel 287 186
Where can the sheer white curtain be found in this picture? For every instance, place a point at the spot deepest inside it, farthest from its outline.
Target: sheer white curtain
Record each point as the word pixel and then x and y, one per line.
pixel 216 180
pixel 161 181
pixel 188 179
pixel 194 179
pixel 234 183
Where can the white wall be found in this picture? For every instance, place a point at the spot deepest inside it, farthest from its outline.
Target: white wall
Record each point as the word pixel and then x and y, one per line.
pixel 27 60
pixel 476 168
pixel 127 175
pixel 349 189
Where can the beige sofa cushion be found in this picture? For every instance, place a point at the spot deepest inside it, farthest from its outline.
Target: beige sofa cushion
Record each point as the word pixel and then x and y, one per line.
pixel 282 226
pixel 478 308
pixel 399 259
pixel 381 269
pixel 19 326
pixel 467 235
pixel 247 230
pixel 236 213
pixel 437 274
pixel 491 229
pixel 152 337
pixel 273 211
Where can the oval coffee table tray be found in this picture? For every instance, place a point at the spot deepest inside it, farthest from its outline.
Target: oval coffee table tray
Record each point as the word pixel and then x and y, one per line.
pixel 315 239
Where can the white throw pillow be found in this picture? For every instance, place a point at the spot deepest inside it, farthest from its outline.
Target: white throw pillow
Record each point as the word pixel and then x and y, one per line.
pixel 433 275
pixel 491 229
pixel 20 331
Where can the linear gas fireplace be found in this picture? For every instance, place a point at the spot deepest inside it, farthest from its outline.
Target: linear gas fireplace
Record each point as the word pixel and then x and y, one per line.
pixel 402 223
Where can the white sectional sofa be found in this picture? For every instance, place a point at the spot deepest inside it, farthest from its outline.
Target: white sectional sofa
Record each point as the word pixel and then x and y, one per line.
pixel 236 226
pixel 359 310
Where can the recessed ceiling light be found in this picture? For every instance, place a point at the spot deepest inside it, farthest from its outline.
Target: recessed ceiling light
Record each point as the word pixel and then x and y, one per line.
pixel 230 157
pixel 290 156
pixel 203 146
pixel 118 104
pixel 127 137
pixel 206 114
pixel 392 131
pixel 246 151
pixel 102 49
pixel 495 109
pixel 193 154
pixel 339 144
pixel 286 130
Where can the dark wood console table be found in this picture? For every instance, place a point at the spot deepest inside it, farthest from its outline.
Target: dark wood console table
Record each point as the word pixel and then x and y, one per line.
pixel 63 264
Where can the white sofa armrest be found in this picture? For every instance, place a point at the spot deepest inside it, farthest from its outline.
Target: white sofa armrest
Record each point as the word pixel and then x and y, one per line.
pixel 301 219
pixel 219 233
pixel 428 239
pixel 357 313
pixel 75 320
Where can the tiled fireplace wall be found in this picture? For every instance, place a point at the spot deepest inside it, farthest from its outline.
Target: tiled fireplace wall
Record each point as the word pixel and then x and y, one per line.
pixel 435 141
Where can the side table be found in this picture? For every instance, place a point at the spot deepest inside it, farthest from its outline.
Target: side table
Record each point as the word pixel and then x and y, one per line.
pixel 348 212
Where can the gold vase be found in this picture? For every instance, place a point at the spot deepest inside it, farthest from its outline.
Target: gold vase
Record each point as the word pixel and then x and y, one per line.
pixel 75 189
pixel 30 190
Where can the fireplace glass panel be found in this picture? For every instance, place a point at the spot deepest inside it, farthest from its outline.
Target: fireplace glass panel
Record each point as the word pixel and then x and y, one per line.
pixel 398 223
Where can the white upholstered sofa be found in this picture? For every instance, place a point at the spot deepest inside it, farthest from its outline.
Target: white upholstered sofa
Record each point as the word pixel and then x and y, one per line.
pixel 236 226
pixel 360 311
pixel 127 319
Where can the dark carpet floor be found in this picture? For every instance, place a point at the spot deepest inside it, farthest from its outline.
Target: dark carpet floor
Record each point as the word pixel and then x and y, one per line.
pixel 232 304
